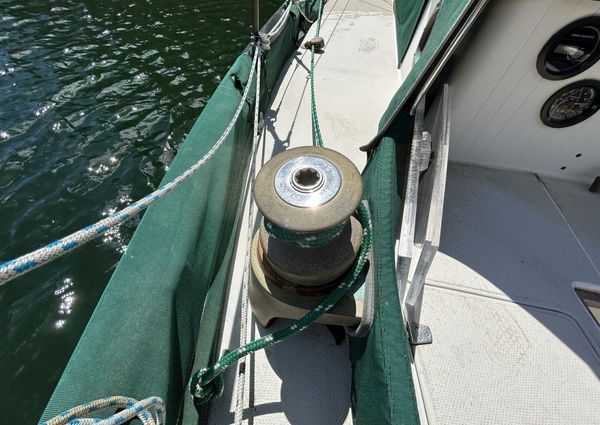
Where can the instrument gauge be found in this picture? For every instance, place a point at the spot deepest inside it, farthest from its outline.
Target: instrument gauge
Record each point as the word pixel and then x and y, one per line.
pixel 572 104
pixel 572 50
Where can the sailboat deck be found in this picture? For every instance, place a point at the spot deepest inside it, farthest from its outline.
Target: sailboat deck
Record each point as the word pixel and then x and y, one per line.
pixel 512 342
pixel 307 379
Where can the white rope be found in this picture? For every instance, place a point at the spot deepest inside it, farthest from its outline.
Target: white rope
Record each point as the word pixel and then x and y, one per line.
pixel 278 27
pixel 241 377
pixel 25 263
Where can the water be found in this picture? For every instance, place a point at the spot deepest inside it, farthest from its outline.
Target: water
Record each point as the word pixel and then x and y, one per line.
pixel 95 98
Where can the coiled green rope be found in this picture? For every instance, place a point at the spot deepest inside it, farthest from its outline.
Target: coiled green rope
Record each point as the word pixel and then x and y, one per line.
pixel 208 382
pixel 305 239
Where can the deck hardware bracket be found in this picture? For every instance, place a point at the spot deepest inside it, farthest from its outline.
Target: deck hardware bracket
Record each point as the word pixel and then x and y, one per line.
pixel 265 41
pixel 419 334
pixel 425 154
pixel 420 229
pixel 317 42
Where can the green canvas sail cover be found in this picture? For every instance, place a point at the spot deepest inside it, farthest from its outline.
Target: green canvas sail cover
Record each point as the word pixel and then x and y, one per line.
pixel 407 15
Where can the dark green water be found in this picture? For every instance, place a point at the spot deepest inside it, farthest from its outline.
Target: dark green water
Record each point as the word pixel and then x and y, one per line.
pixel 95 99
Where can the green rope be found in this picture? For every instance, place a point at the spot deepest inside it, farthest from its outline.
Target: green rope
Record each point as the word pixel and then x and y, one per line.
pixel 313 100
pixel 305 239
pixel 208 382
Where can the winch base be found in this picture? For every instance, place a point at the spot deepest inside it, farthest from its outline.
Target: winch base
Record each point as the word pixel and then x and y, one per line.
pixel 270 300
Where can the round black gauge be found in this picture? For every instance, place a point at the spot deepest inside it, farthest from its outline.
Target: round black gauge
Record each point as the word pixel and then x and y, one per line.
pixel 572 104
pixel 571 50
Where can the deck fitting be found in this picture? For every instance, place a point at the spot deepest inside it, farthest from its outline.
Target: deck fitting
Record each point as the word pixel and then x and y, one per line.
pixel 419 334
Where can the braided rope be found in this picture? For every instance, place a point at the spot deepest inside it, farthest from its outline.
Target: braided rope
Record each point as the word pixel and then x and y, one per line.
pixel 280 25
pixel 241 377
pixel 25 263
pixel 305 239
pixel 208 382
pixel 132 409
pixel 313 98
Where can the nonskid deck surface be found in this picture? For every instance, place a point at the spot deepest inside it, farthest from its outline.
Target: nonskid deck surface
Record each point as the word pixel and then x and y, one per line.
pixel 307 379
pixel 355 79
pixel 512 343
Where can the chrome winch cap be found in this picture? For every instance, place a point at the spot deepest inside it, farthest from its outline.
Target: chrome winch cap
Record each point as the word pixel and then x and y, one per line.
pixel 308 189
pixel 307 181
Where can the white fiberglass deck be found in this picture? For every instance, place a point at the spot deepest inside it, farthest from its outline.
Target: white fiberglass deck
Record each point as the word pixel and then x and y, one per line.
pixel 512 343
pixel 306 380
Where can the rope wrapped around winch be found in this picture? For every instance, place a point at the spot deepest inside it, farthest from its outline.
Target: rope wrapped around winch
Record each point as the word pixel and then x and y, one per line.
pixel 305 239
pixel 208 382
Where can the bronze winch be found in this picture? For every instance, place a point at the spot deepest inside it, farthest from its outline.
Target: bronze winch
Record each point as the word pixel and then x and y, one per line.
pixel 308 238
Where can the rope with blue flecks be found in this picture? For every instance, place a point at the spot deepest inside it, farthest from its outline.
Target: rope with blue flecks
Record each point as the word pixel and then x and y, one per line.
pixel 25 263
pixel 208 382
pixel 131 409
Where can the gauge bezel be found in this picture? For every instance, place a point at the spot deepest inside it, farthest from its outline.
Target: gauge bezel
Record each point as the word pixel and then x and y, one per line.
pixel 589 21
pixel 545 112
